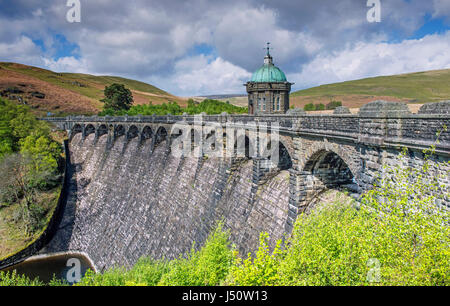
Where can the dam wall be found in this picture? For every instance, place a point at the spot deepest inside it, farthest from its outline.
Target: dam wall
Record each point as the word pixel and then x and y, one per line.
pixel 127 201
pixel 128 196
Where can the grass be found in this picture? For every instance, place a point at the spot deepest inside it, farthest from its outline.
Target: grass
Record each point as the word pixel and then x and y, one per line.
pixel 12 232
pixel 420 87
pixel 85 87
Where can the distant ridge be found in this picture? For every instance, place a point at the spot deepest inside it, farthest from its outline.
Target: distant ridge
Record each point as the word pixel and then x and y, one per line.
pixel 418 87
pixel 69 93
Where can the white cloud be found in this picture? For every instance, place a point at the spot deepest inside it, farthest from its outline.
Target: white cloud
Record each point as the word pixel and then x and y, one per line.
pixel 67 64
pixel 441 8
pixel 21 50
pixel 200 75
pixel 374 59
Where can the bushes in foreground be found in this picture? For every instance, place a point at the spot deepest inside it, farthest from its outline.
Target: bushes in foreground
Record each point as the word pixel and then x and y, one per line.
pixel 397 235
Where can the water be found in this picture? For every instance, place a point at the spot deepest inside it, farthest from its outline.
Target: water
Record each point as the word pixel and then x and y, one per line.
pixel 63 266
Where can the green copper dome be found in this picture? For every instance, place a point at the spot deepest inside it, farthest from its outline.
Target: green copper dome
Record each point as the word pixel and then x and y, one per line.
pixel 268 73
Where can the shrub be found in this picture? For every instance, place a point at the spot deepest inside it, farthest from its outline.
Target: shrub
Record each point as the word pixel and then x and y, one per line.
pixel 333 105
pixel 207 267
pixel 320 106
pixel 309 107
pixel 263 270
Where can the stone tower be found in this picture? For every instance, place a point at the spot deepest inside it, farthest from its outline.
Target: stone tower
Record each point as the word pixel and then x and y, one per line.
pixel 268 90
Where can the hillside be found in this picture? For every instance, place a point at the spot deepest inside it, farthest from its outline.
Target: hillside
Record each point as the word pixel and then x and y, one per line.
pixel 69 93
pixel 417 88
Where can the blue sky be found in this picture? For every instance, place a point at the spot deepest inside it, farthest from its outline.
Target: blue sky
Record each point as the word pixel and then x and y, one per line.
pixel 201 47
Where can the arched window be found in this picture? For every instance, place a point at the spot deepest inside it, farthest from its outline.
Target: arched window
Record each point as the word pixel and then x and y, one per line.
pixel 264 104
pixel 278 103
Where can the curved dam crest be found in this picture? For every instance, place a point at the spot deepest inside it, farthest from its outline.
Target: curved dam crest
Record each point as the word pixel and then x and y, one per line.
pixel 126 202
pixel 129 197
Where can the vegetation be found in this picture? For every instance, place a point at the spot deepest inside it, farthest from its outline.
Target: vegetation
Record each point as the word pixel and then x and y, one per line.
pixel 208 106
pixel 29 167
pixel 333 104
pixel 397 235
pixel 420 87
pixel 314 107
pixel 76 93
pixel 117 98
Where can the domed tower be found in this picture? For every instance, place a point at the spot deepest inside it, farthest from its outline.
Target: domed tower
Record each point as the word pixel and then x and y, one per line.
pixel 268 90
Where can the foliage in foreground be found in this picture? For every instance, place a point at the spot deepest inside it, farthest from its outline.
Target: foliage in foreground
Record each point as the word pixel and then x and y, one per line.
pixel 397 235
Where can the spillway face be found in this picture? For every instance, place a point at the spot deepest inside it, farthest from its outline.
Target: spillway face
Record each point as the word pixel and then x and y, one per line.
pixel 126 201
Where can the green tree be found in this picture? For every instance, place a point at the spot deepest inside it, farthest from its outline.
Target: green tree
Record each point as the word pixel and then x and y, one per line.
pixel 117 97
pixel 309 107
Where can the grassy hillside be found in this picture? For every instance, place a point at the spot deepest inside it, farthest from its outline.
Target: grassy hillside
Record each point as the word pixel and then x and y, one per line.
pixel 71 93
pixel 420 87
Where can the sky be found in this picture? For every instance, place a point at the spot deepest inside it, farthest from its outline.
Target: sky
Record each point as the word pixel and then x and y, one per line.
pixel 206 47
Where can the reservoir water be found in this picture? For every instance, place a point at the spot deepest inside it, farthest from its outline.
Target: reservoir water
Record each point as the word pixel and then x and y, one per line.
pixel 64 267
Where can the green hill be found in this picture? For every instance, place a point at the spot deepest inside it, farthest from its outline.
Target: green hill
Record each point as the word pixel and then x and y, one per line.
pixel 420 87
pixel 70 93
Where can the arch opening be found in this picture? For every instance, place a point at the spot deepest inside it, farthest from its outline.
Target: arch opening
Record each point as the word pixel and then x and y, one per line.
pixel 133 132
pixel 328 170
pixel 147 133
pixel 119 131
pixel 89 129
pixel 102 130
pixel 161 135
pixel 277 157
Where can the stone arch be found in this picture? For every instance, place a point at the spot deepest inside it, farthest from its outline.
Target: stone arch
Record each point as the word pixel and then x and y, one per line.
pixel 119 130
pixel 102 130
pixel 329 168
pixel 77 128
pixel 248 151
pixel 132 132
pixel 351 159
pixel 146 133
pixel 160 135
pixel 278 156
pixel 88 129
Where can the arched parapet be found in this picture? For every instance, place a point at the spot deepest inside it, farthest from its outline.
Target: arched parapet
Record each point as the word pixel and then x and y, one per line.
pixel 321 165
pixel 348 153
pixel 161 135
pixel 101 130
pixel 119 131
pixel 77 128
pixel 146 133
pixel 88 130
pixel 132 132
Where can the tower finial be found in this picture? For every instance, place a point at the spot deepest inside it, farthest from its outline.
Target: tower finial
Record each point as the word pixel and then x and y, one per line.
pixel 268 58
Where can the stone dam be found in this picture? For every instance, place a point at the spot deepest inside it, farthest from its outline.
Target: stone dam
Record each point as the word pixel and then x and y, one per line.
pixel 129 196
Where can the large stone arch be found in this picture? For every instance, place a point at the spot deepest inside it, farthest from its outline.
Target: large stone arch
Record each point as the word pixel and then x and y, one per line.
pixel 346 152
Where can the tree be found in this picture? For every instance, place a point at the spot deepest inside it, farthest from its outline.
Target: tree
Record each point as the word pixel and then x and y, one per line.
pixel 117 97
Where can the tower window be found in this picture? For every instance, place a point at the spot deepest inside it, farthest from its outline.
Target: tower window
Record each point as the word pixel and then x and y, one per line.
pixel 278 103
pixel 264 103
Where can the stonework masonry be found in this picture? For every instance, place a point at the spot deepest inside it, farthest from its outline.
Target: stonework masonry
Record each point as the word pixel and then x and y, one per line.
pixel 128 196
